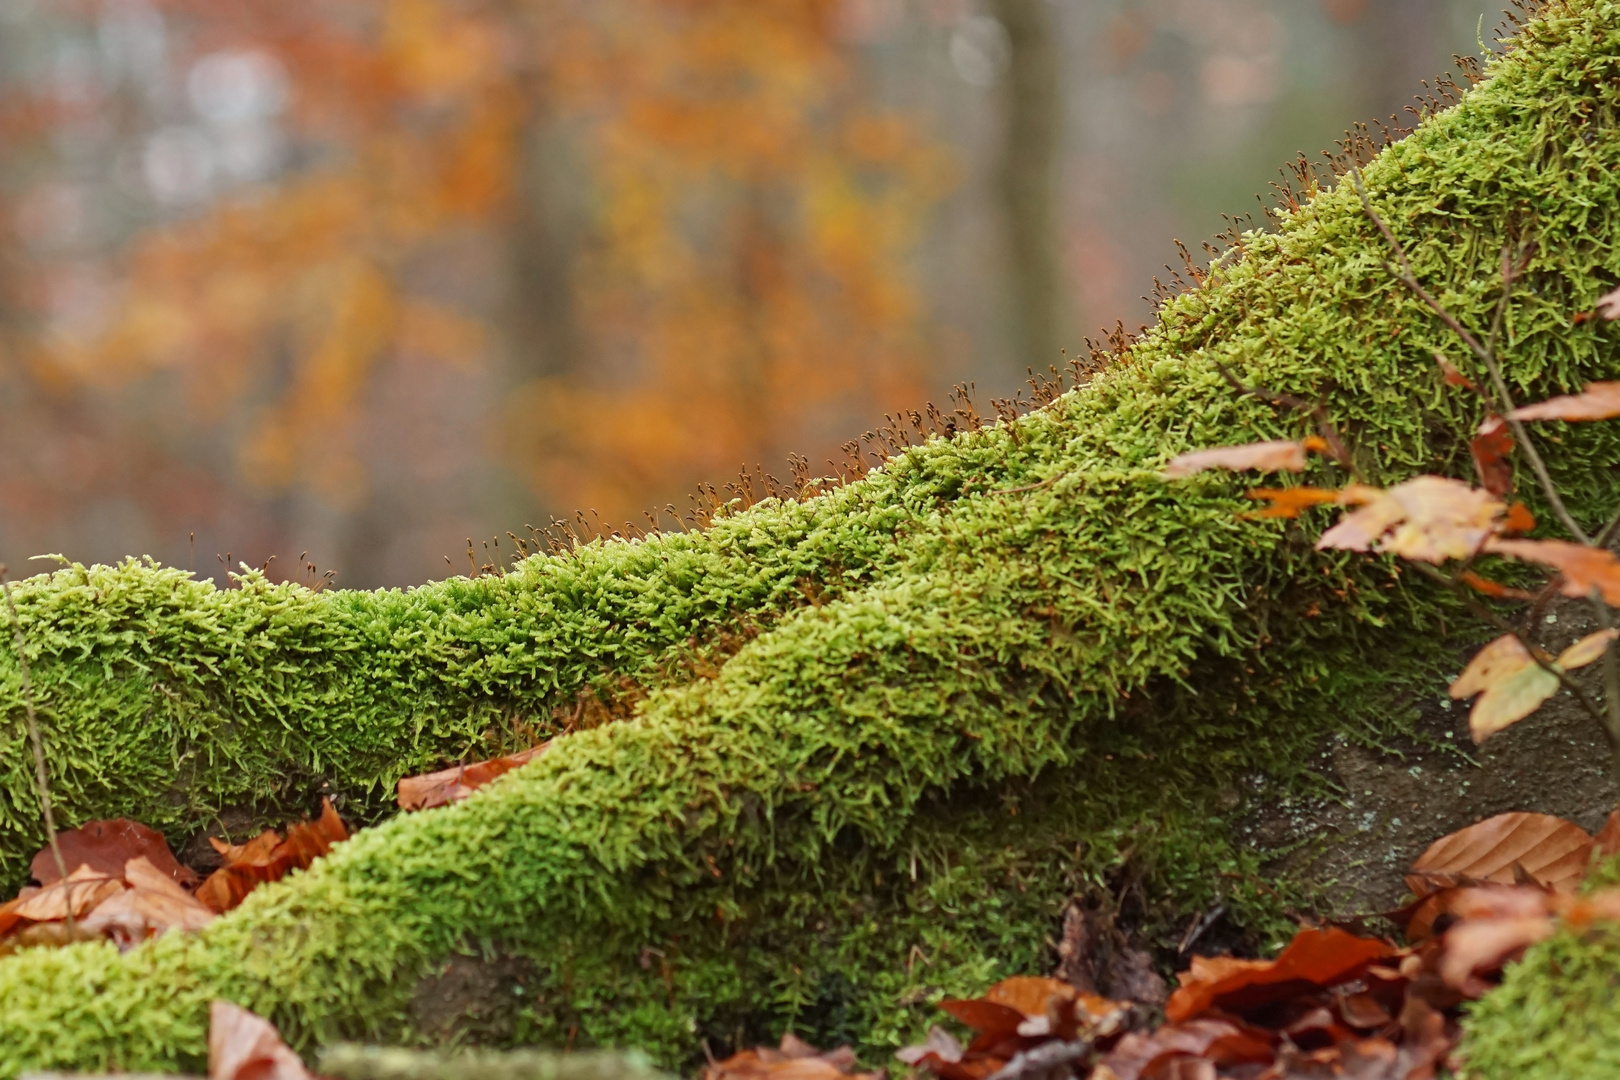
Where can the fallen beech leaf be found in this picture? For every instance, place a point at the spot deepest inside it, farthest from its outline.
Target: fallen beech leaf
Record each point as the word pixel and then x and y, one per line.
pixel 1492 448
pixel 795 1059
pixel 1314 958
pixel 267 857
pixel 242 1046
pixel 152 905
pixel 1599 401
pixel 1583 568
pixel 82 891
pixel 1288 502
pixel 1264 456
pixel 1428 518
pixel 1480 945
pixel 1552 851
pixel 1608 305
pixel 1500 658
pixel 944 1056
pixel 459 781
pixel 105 846
pixel 1607 841
pixel 1215 1041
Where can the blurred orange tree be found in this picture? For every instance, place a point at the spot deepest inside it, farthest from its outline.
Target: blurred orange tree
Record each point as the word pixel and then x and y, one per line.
pixel 673 234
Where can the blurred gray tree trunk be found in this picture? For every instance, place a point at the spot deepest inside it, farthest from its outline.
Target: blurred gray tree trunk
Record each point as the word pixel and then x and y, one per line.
pixel 1032 106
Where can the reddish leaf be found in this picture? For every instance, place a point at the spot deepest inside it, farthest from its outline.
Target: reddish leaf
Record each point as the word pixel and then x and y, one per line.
pixel 1494 588
pixel 459 781
pixel 268 858
pixel 242 1046
pixel 1217 1041
pixel 1493 450
pixel 1607 841
pixel 1599 401
pixel 105 846
pixel 1584 569
pixel 1552 851
pixel 1288 502
pixel 795 1059
pixel 1454 377
pixel 1264 456
pixel 1314 958
pixel 1519 520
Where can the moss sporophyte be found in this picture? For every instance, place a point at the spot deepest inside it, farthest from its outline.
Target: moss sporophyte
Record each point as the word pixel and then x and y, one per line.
pixel 815 829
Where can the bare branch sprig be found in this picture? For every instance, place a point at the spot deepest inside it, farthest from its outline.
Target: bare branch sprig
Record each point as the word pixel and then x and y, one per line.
pixel 42 776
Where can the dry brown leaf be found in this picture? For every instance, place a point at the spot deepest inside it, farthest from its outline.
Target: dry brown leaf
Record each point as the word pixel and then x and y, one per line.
pixel 243 1046
pixel 152 905
pixel 1583 568
pixel 82 891
pixel 794 1059
pixel 1599 401
pixel 105 846
pixel 1519 520
pixel 1318 957
pixel 1500 658
pixel 1587 650
pixel 1607 841
pixel 1428 518
pixel 1552 851
pixel 267 857
pixel 1216 1042
pixel 1263 456
pixel 1289 502
pixel 457 782
pixel 1454 377
pixel 1492 448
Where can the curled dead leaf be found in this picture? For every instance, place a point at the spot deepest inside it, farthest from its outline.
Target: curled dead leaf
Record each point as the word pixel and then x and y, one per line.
pixel 1599 401
pixel 1289 502
pixel 1261 456
pixel 459 781
pixel 268 857
pixel 1584 569
pixel 1510 683
pixel 1315 957
pixel 1428 518
pixel 1492 447
pixel 105 846
pixel 243 1046
pixel 793 1059
pixel 1587 650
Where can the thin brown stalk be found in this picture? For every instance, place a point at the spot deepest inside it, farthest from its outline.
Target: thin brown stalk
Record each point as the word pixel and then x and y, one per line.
pixel 42 776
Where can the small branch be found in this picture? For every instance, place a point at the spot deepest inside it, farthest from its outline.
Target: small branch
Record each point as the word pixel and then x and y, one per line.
pixel 1324 426
pixel 1486 614
pixel 42 776
pixel 1048 482
pixel 1486 356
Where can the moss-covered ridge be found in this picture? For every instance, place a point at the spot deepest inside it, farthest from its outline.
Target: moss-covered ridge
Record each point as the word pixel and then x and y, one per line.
pixel 825 830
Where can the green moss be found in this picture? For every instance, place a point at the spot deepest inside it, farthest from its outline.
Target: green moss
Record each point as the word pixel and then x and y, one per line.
pixel 822 831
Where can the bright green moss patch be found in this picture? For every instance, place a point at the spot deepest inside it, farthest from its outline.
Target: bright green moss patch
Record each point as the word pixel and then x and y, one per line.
pixel 999 690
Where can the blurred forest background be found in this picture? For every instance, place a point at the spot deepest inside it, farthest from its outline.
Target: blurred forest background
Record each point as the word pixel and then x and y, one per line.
pixel 363 278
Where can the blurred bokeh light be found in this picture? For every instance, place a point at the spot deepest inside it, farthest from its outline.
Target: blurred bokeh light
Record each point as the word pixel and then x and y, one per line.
pixel 364 278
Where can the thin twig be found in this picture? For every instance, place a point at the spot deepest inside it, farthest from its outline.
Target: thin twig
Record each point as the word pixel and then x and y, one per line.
pixel 1486 357
pixel 1535 653
pixel 1277 399
pixel 1048 482
pixel 41 773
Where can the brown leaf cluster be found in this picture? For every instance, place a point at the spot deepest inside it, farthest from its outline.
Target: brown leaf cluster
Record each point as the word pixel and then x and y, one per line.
pixel 1332 1004
pixel 268 857
pixel 459 781
pixel 793 1059
pixel 128 887
pixel 1430 519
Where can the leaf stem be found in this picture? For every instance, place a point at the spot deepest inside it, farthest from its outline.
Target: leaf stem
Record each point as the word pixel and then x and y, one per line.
pixel 42 776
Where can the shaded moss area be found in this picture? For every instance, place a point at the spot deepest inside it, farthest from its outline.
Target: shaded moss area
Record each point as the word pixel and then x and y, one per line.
pixel 818 828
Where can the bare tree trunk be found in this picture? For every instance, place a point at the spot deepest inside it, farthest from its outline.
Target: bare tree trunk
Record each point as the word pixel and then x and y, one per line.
pixel 1033 112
